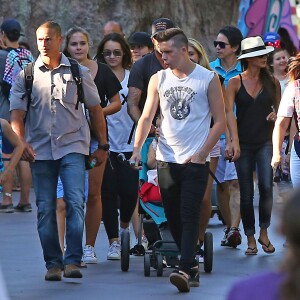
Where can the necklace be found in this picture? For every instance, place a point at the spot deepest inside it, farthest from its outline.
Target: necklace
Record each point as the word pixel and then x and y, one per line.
pixel 230 68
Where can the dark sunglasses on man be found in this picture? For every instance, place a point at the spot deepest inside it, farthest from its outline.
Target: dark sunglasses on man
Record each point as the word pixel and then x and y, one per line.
pixel 222 45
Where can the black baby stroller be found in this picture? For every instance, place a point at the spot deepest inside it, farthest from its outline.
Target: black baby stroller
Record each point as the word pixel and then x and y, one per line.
pixel 163 250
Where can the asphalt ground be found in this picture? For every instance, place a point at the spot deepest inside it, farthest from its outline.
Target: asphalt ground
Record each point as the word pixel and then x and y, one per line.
pixel 23 267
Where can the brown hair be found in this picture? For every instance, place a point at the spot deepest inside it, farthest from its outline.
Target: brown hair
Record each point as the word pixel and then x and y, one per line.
pixel 176 34
pixel 115 37
pixel 294 67
pixel 68 36
pixel 271 58
pixel 51 25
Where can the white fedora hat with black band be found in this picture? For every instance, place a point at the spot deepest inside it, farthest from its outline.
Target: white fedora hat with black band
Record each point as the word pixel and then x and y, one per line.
pixel 254 46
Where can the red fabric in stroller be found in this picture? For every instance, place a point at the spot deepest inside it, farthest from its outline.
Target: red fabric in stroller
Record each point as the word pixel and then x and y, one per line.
pixel 149 193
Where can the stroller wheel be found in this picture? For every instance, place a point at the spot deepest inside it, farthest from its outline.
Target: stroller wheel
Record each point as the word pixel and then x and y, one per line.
pixel 125 250
pixel 159 265
pixel 208 252
pixel 147 265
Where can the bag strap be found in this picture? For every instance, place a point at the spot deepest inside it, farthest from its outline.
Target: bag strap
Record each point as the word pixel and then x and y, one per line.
pixel 28 73
pixel 77 78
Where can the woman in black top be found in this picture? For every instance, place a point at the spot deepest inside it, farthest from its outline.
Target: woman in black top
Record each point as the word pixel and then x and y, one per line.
pixel 256 95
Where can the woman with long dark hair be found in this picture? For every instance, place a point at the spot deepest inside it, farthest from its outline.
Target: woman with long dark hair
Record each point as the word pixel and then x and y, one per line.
pixel 120 182
pixel 256 95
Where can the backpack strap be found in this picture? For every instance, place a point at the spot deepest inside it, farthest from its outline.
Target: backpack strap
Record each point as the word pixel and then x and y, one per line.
pixel 28 72
pixel 76 76
pixel 28 76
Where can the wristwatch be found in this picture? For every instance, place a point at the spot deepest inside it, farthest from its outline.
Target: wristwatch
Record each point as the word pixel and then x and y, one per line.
pixel 104 147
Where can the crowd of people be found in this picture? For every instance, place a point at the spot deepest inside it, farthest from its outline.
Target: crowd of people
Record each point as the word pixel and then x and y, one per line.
pixel 234 117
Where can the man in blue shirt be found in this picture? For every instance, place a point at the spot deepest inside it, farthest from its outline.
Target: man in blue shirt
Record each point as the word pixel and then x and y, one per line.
pixel 228 46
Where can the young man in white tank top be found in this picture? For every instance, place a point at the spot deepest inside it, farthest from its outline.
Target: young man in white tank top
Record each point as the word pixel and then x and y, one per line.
pixel 188 96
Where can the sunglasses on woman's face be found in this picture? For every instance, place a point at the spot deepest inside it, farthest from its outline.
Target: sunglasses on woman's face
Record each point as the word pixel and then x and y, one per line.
pixel 222 45
pixel 108 53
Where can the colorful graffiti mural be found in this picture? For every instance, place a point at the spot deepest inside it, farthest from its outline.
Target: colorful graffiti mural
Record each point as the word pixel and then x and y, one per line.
pixel 260 16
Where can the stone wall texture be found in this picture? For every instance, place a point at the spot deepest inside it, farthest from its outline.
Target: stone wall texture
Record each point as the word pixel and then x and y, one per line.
pixel 200 19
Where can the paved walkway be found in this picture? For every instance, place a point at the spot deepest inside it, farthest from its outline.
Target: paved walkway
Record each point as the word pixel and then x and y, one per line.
pixel 23 266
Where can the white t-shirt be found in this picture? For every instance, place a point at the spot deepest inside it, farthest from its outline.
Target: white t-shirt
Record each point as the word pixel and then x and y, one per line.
pixel 286 106
pixel 185 114
pixel 120 124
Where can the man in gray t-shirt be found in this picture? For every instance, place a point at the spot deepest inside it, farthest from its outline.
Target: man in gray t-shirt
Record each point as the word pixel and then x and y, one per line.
pixel 56 142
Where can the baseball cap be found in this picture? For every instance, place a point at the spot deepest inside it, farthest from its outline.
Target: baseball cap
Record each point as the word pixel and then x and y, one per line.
pixel 161 25
pixel 140 38
pixel 271 37
pixel 11 26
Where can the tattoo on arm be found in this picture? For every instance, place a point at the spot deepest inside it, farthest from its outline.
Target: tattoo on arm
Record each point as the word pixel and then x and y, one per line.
pixel 134 96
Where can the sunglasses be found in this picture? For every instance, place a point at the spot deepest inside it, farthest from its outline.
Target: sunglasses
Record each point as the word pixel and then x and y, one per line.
pixel 222 45
pixel 116 53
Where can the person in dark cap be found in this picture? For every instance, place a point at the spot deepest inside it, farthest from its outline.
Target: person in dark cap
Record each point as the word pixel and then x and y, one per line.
pixel 10 32
pixel 11 29
pixel 161 25
pixel 140 45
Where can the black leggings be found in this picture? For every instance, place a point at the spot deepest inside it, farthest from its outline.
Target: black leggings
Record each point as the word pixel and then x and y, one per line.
pixel 182 187
pixel 119 191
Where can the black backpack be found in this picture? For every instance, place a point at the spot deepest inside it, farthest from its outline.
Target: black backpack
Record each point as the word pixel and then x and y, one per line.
pixel 28 72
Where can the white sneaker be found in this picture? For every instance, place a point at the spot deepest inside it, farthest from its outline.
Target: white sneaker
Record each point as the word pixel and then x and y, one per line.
pixel 89 255
pixel 114 251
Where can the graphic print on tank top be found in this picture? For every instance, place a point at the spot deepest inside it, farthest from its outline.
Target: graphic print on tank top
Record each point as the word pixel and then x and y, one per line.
pixel 180 98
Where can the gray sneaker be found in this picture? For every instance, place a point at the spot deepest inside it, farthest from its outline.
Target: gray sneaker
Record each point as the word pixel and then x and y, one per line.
pixel 7 208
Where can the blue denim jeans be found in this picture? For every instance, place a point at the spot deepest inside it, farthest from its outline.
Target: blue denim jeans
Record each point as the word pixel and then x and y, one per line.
pixel 259 156
pixel 182 187
pixel 71 169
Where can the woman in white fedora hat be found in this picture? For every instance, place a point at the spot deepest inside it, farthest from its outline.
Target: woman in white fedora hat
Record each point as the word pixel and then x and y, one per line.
pixel 256 94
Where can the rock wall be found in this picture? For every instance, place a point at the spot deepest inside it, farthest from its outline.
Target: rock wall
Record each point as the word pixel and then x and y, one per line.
pixel 200 19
